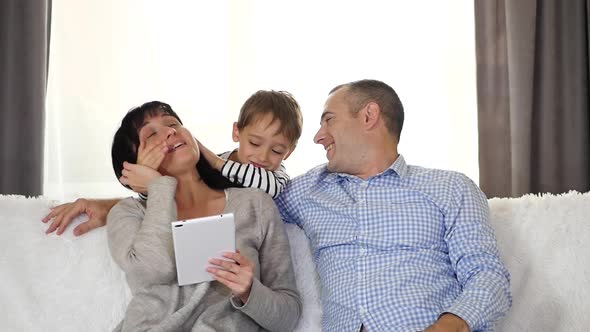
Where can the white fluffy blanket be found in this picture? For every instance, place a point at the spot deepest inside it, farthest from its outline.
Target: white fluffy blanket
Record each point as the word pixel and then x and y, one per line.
pixel 67 283
pixel 51 283
pixel 545 243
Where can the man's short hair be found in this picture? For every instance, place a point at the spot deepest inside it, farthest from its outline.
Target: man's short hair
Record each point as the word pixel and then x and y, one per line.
pixel 281 105
pixel 362 92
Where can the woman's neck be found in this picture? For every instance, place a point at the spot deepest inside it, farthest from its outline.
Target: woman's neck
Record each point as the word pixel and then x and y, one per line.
pixel 195 199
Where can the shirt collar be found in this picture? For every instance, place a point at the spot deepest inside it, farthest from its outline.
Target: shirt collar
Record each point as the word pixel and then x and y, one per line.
pixel 399 167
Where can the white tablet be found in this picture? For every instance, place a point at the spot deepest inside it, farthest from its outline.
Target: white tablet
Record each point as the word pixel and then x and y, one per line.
pixel 198 240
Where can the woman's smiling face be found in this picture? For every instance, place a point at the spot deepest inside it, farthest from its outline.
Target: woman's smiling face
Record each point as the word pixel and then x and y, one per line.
pixel 164 131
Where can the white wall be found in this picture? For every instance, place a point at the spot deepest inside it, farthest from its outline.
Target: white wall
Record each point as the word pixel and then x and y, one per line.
pixel 206 58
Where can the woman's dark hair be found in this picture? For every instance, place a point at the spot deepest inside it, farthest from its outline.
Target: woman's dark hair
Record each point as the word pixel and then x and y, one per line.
pixel 126 143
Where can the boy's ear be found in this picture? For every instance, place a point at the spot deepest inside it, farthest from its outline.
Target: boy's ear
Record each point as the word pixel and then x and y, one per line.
pixel 235 133
pixel 289 153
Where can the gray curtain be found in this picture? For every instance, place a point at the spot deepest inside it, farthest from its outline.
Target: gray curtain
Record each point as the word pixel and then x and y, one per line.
pixel 24 51
pixel 533 96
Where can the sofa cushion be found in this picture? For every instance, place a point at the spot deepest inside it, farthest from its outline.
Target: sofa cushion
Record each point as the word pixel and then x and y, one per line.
pixel 68 283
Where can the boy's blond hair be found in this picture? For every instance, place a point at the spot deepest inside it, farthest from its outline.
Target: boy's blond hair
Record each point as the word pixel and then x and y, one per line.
pixel 281 105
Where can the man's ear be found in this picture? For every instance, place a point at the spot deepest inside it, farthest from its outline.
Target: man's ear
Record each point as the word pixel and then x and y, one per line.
pixel 371 115
pixel 235 133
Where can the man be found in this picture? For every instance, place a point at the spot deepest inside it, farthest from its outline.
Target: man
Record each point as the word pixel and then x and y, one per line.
pixel 397 247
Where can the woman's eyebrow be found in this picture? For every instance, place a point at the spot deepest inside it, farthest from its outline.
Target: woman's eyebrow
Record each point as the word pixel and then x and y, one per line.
pixel 141 127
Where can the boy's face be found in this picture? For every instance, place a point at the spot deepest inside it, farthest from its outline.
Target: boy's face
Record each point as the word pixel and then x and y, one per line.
pixel 260 143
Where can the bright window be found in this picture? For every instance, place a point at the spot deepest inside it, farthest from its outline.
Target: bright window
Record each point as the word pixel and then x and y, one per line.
pixel 205 58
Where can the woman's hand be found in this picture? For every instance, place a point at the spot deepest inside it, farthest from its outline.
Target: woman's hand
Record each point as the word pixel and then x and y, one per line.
pixel 149 157
pixel 151 154
pixel 237 275
pixel 138 176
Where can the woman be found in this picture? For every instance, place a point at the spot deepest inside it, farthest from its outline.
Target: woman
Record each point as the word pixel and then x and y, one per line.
pixel 256 291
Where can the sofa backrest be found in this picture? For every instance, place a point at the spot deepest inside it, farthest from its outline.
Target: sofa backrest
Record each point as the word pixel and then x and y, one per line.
pixel 545 243
pixel 68 283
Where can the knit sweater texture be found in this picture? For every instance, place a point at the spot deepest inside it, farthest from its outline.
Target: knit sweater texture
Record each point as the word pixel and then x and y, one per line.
pixel 140 241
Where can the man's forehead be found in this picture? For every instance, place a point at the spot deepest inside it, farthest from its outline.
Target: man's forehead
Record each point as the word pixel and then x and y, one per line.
pixel 334 101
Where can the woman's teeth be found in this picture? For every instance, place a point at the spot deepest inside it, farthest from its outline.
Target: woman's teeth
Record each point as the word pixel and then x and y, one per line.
pixel 175 146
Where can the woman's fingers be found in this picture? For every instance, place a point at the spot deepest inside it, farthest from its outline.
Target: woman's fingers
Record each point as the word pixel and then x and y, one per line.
pixel 237 273
pixel 231 266
pixel 238 258
pixel 225 274
pixel 152 154
pixel 239 284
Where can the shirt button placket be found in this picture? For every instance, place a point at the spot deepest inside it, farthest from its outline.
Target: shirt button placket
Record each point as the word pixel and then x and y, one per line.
pixel 365 216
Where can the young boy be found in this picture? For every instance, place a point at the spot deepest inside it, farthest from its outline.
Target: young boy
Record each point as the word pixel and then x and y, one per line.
pixel 268 128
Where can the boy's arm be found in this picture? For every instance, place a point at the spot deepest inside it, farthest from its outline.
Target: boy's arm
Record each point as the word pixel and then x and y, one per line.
pixel 96 210
pixel 246 175
pixel 250 176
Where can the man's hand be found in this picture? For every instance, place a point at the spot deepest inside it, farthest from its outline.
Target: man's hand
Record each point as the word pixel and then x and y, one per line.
pixel 448 323
pixel 237 275
pixel 62 215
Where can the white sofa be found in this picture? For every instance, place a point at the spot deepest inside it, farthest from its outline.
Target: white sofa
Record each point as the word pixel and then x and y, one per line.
pixel 67 283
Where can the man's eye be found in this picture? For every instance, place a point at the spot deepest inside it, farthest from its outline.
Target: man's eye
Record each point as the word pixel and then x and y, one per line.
pixel 252 143
pixel 173 125
pixel 277 152
pixel 152 134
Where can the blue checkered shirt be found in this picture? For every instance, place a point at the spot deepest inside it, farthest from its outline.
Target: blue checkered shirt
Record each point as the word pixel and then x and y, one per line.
pixel 399 249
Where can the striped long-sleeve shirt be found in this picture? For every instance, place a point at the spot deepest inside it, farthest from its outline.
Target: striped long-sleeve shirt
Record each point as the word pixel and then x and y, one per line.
pixel 250 176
